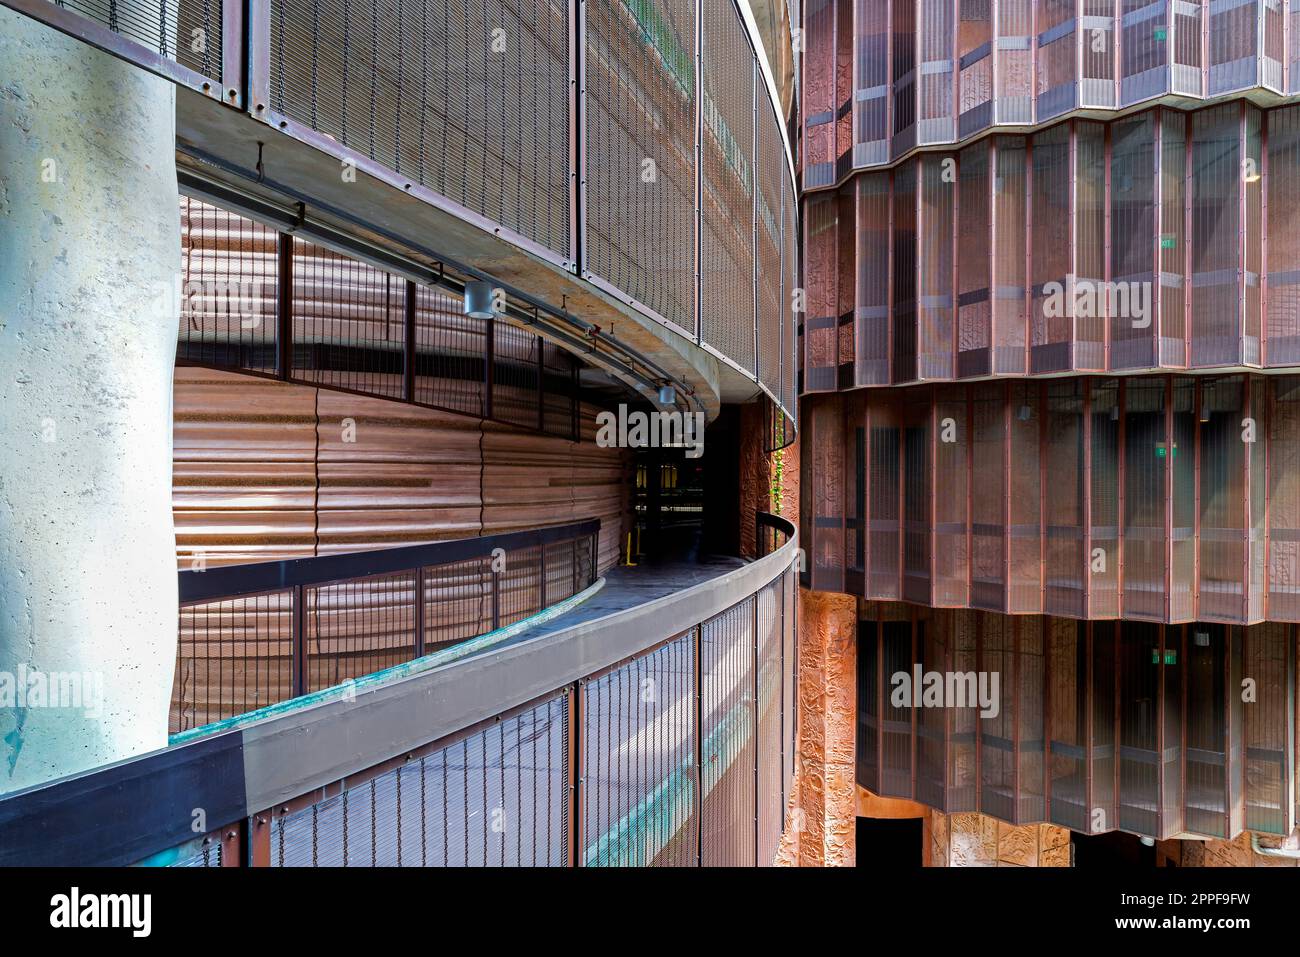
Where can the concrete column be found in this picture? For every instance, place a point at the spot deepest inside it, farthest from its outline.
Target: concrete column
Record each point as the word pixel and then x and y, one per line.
pixel 89 256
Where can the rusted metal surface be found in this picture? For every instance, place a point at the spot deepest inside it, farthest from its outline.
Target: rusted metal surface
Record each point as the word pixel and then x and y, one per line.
pixel 868 101
pixel 1082 247
pixel 263 470
pixel 1096 726
pixel 1153 498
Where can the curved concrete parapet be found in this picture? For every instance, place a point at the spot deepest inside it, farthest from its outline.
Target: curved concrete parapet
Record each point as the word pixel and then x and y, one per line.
pixel 721 658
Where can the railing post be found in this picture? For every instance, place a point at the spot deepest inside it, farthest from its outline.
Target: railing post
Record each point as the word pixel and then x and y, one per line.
pixel 575 403
pixel 419 612
pixel 697 717
pixel 299 642
pixel 577 765
pixel 541 580
pixel 496 599
pixel 232 844
pixel 257 850
pixel 408 351
pixel 541 384
pixel 758 798
pixel 258 78
pixel 284 305
pixel 489 359
pixel 232 52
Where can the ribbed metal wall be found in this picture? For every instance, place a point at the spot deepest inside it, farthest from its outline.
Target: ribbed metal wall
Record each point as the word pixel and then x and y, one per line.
pixel 882 78
pixel 1161 240
pixel 265 470
pixel 1161 498
pixel 468 99
pixel 1095 726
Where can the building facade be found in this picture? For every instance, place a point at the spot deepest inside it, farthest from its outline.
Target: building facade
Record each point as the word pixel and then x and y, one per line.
pixel 1049 419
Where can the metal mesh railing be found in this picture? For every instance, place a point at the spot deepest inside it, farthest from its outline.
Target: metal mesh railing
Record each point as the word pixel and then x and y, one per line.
pixel 501 793
pixel 256 300
pixel 679 751
pixel 635 146
pixel 497 796
pixel 188 32
pixel 244 645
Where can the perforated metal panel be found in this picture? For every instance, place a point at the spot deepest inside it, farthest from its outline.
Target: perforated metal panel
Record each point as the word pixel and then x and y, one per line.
pixel 496 797
pixel 770 746
pixel 468 99
pixel 727 198
pixel 728 731
pixel 770 165
pixel 640 134
pixel 640 793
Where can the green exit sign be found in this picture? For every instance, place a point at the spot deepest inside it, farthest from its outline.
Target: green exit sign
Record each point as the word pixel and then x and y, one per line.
pixel 1160 450
pixel 1161 33
pixel 1167 241
pixel 1171 656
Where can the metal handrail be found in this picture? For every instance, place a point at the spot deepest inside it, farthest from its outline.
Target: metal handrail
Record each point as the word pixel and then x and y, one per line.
pixel 230 581
pixel 239 775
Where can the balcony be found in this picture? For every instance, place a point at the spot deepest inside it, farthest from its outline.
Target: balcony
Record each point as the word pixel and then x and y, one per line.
pixel 645 730
pixel 635 200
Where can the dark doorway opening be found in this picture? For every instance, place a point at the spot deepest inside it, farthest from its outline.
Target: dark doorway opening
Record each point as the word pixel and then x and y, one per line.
pixel 890 844
pixel 1112 851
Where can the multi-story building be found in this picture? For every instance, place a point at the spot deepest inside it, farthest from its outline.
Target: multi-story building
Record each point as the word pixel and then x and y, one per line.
pixel 1050 417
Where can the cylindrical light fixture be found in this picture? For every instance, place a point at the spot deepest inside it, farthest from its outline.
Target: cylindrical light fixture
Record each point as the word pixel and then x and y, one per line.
pixel 478 299
pixel 666 394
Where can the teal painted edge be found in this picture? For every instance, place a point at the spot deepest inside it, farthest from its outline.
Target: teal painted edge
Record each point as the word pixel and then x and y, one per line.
pixel 435 660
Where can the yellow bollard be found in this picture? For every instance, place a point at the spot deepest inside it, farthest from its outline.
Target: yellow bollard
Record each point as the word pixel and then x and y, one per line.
pixel 629 562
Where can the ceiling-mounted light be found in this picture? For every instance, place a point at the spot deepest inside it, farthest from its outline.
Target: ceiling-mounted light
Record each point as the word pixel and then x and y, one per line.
pixel 478 299
pixel 1025 413
pixel 666 394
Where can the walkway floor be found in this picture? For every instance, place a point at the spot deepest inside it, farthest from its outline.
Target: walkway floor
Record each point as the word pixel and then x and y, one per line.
pixel 626 587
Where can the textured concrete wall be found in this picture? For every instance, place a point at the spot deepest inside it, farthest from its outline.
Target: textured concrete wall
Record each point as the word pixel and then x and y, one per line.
pixel 976 840
pixel 88 324
pixel 823 816
pixel 1236 853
